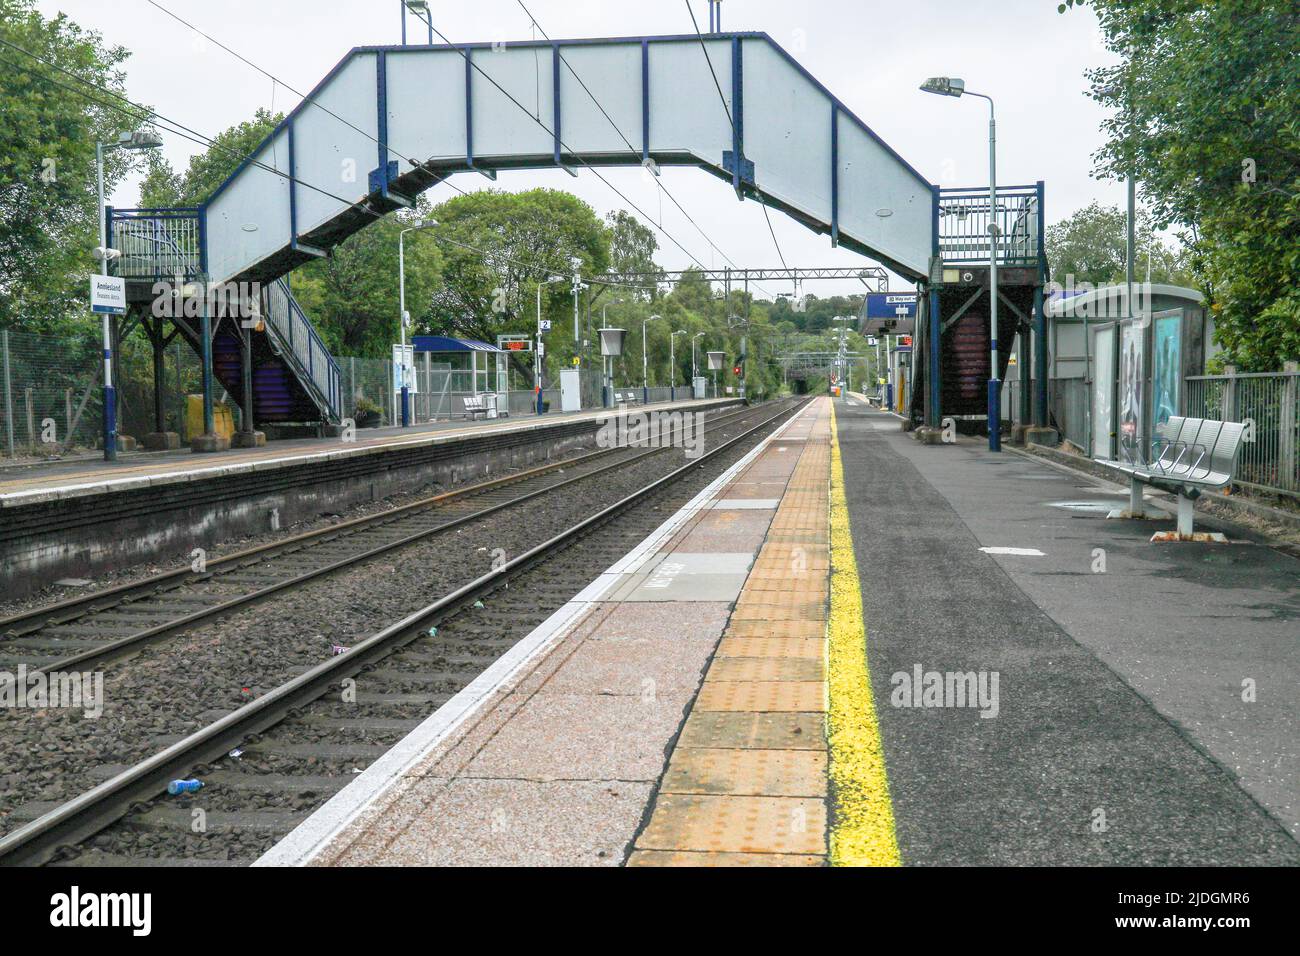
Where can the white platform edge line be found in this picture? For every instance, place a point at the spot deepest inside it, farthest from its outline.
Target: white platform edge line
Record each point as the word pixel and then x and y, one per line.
pixel 311 837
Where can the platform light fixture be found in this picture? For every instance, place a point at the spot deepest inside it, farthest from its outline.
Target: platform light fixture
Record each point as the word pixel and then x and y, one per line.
pixel 421 10
pixel 645 361
pixel 952 86
pixel 944 86
pixel 138 139
pixel 405 317
pixel 672 364
pixel 539 352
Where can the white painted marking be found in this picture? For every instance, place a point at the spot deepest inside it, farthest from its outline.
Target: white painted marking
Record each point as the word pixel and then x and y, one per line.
pixel 1018 552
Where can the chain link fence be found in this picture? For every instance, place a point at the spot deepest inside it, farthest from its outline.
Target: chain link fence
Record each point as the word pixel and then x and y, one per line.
pixel 53 401
pixel 53 398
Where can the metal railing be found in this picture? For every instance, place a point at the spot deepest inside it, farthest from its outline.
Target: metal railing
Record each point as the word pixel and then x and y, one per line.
pixel 964 219
pixel 1269 405
pixel 157 244
pixel 301 345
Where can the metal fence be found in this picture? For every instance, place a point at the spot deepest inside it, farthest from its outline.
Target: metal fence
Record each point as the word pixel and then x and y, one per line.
pixel 1067 407
pixel 440 392
pixel 156 243
pixel 964 220
pixel 1267 404
pixel 52 403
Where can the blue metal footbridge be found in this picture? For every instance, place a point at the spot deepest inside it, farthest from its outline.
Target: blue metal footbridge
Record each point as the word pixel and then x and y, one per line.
pixel 390 122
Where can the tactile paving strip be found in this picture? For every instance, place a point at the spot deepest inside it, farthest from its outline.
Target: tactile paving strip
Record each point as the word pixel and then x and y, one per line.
pixel 746 784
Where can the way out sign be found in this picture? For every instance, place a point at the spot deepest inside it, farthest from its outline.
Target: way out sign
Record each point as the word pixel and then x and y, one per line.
pixel 108 295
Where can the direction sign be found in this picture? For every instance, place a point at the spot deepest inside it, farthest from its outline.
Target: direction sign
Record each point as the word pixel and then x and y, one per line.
pixel 891 305
pixel 108 295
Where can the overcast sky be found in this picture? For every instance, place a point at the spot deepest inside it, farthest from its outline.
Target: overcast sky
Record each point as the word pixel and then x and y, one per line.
pixel 870 53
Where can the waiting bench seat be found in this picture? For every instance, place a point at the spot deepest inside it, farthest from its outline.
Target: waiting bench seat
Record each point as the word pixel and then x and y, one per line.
pixel 1188 456
pixel 476 405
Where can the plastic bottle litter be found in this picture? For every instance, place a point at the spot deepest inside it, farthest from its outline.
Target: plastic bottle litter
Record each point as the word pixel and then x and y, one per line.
pixel 177 787
pixel 338 649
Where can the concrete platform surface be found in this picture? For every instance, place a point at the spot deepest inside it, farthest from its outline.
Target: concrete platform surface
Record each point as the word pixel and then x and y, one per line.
pixel 1148 694
pixel 555 754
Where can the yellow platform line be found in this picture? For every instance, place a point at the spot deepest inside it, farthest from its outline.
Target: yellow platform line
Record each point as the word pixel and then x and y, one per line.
pixel 862 826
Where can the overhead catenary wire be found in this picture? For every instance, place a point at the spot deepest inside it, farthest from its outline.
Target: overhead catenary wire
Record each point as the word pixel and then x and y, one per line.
pixel 535 118
pixel 415 163
pixel 274 79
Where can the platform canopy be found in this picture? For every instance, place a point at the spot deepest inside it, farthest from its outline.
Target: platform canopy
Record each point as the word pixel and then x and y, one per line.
pixel 441 344
pixel 389 122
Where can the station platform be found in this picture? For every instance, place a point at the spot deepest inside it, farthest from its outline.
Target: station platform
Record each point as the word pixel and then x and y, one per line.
pixel 852 649
pixel 54 480
pixel 80 519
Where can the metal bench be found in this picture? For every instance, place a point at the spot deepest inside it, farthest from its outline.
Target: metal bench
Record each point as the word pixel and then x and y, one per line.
pixel 475 405
pixel 1188 456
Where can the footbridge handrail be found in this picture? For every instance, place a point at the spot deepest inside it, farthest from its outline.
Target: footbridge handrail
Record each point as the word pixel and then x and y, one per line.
pixel 302 346
pixel 964 224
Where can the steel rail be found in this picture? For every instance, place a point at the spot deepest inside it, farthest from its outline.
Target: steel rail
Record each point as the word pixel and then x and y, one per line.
pixel 113 649
pixel 83 816
pixel 29 622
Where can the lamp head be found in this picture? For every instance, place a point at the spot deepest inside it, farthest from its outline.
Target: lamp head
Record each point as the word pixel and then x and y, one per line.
pixel 138 139
pixel 944 86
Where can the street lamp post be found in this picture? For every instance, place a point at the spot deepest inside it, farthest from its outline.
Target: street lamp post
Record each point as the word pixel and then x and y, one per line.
pixel 417 7
pixel 695 372
pixel 951 86
pixel 537 354
pixel 672 364
pixel 138 139
pixel 577 290
pixel 405 318
pixel 645 362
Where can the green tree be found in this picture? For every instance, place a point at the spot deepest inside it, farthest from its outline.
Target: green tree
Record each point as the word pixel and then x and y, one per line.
pixel 632 248
pixel 48 202
pixel 1206 96
pixel 1091 246
pixel 496 247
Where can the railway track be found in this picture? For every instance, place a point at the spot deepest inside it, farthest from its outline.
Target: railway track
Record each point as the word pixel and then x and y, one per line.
pixel 269 764
pixel 90 630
